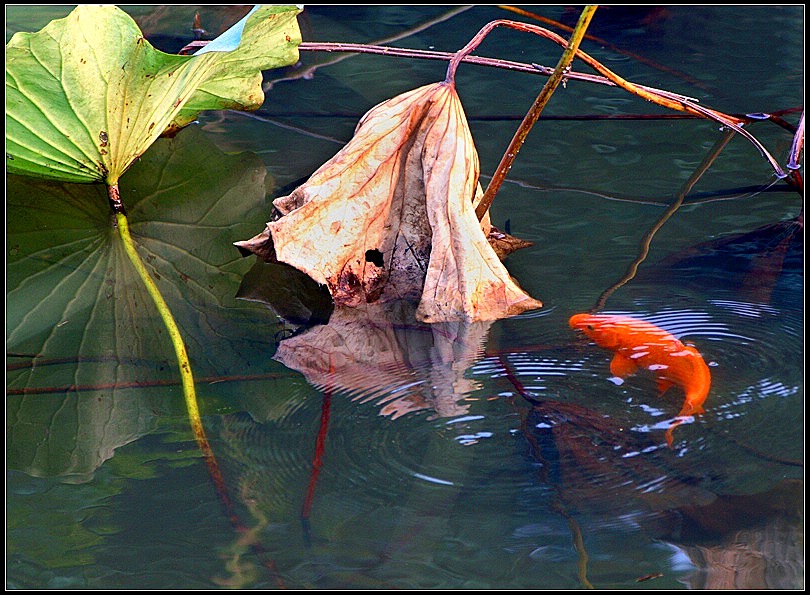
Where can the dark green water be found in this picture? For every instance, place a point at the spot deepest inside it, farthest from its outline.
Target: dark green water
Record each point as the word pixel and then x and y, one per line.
pixel 487 456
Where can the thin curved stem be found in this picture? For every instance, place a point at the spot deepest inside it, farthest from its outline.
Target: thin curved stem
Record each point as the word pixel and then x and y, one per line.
pixel 797 147
pixel 383 50
pixel 648 236
pixel 531 117
pixel 662 98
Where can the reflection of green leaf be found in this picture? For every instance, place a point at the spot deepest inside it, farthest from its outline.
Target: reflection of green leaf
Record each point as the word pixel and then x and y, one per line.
pixel 78 316
pixel 87 95
pixel 42 537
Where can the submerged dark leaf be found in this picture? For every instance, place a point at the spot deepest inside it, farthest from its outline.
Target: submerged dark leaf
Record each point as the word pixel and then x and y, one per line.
pixel 288 292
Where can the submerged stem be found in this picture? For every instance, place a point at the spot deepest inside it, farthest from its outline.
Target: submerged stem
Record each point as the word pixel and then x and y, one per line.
pixel 531 117
pixel 648 236
pixel 168 320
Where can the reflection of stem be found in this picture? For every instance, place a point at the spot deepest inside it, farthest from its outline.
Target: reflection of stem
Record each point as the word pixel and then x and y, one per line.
pixel 573 525
pixel 187 379
pixel 579 546
pixel 317 461
pixel 78 388
pixel 557 77
pixel 647 239
pixel 510 375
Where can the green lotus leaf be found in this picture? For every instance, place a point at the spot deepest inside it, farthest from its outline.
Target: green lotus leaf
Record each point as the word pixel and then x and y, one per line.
pixel 89 366
pixel 266 38
pixel 87 95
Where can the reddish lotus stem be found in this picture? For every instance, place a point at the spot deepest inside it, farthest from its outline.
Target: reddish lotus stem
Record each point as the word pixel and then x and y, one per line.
pixel 531 117
pixel 797 147
pixel 317 461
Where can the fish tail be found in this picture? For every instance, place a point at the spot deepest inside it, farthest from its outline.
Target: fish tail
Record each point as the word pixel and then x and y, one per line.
pixel 689 409
pixel 672 427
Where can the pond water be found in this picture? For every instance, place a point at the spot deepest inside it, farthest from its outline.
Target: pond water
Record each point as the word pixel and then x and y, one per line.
pixel 374 452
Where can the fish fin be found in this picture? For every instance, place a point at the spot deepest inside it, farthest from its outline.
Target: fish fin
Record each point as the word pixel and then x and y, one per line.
pixel 692 405
pixel 622 366
pixel 689 409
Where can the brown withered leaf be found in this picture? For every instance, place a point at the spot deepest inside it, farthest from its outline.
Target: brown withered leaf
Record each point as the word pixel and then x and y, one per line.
pixel 391 216
pixel 503 243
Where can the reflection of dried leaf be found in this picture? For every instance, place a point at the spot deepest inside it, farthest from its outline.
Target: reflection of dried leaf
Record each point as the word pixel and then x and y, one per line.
pixel 391 216
pixel 380 351
pixel 746 541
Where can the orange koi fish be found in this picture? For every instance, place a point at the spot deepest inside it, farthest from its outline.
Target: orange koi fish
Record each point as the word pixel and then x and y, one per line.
pixel 640 344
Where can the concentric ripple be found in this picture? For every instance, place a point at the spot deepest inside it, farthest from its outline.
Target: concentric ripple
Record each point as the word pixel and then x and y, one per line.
pixel 602 440
pixel 433 421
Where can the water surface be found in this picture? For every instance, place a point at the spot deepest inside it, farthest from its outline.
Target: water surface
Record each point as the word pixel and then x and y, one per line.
pixel 478 456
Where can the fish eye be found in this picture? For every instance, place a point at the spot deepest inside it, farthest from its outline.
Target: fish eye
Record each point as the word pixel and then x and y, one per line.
pixel 590 327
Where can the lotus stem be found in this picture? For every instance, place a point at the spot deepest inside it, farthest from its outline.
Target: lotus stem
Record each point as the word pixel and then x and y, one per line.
pixel 663 98
pixel 187 379
pixel 648 236
pixel 531 117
